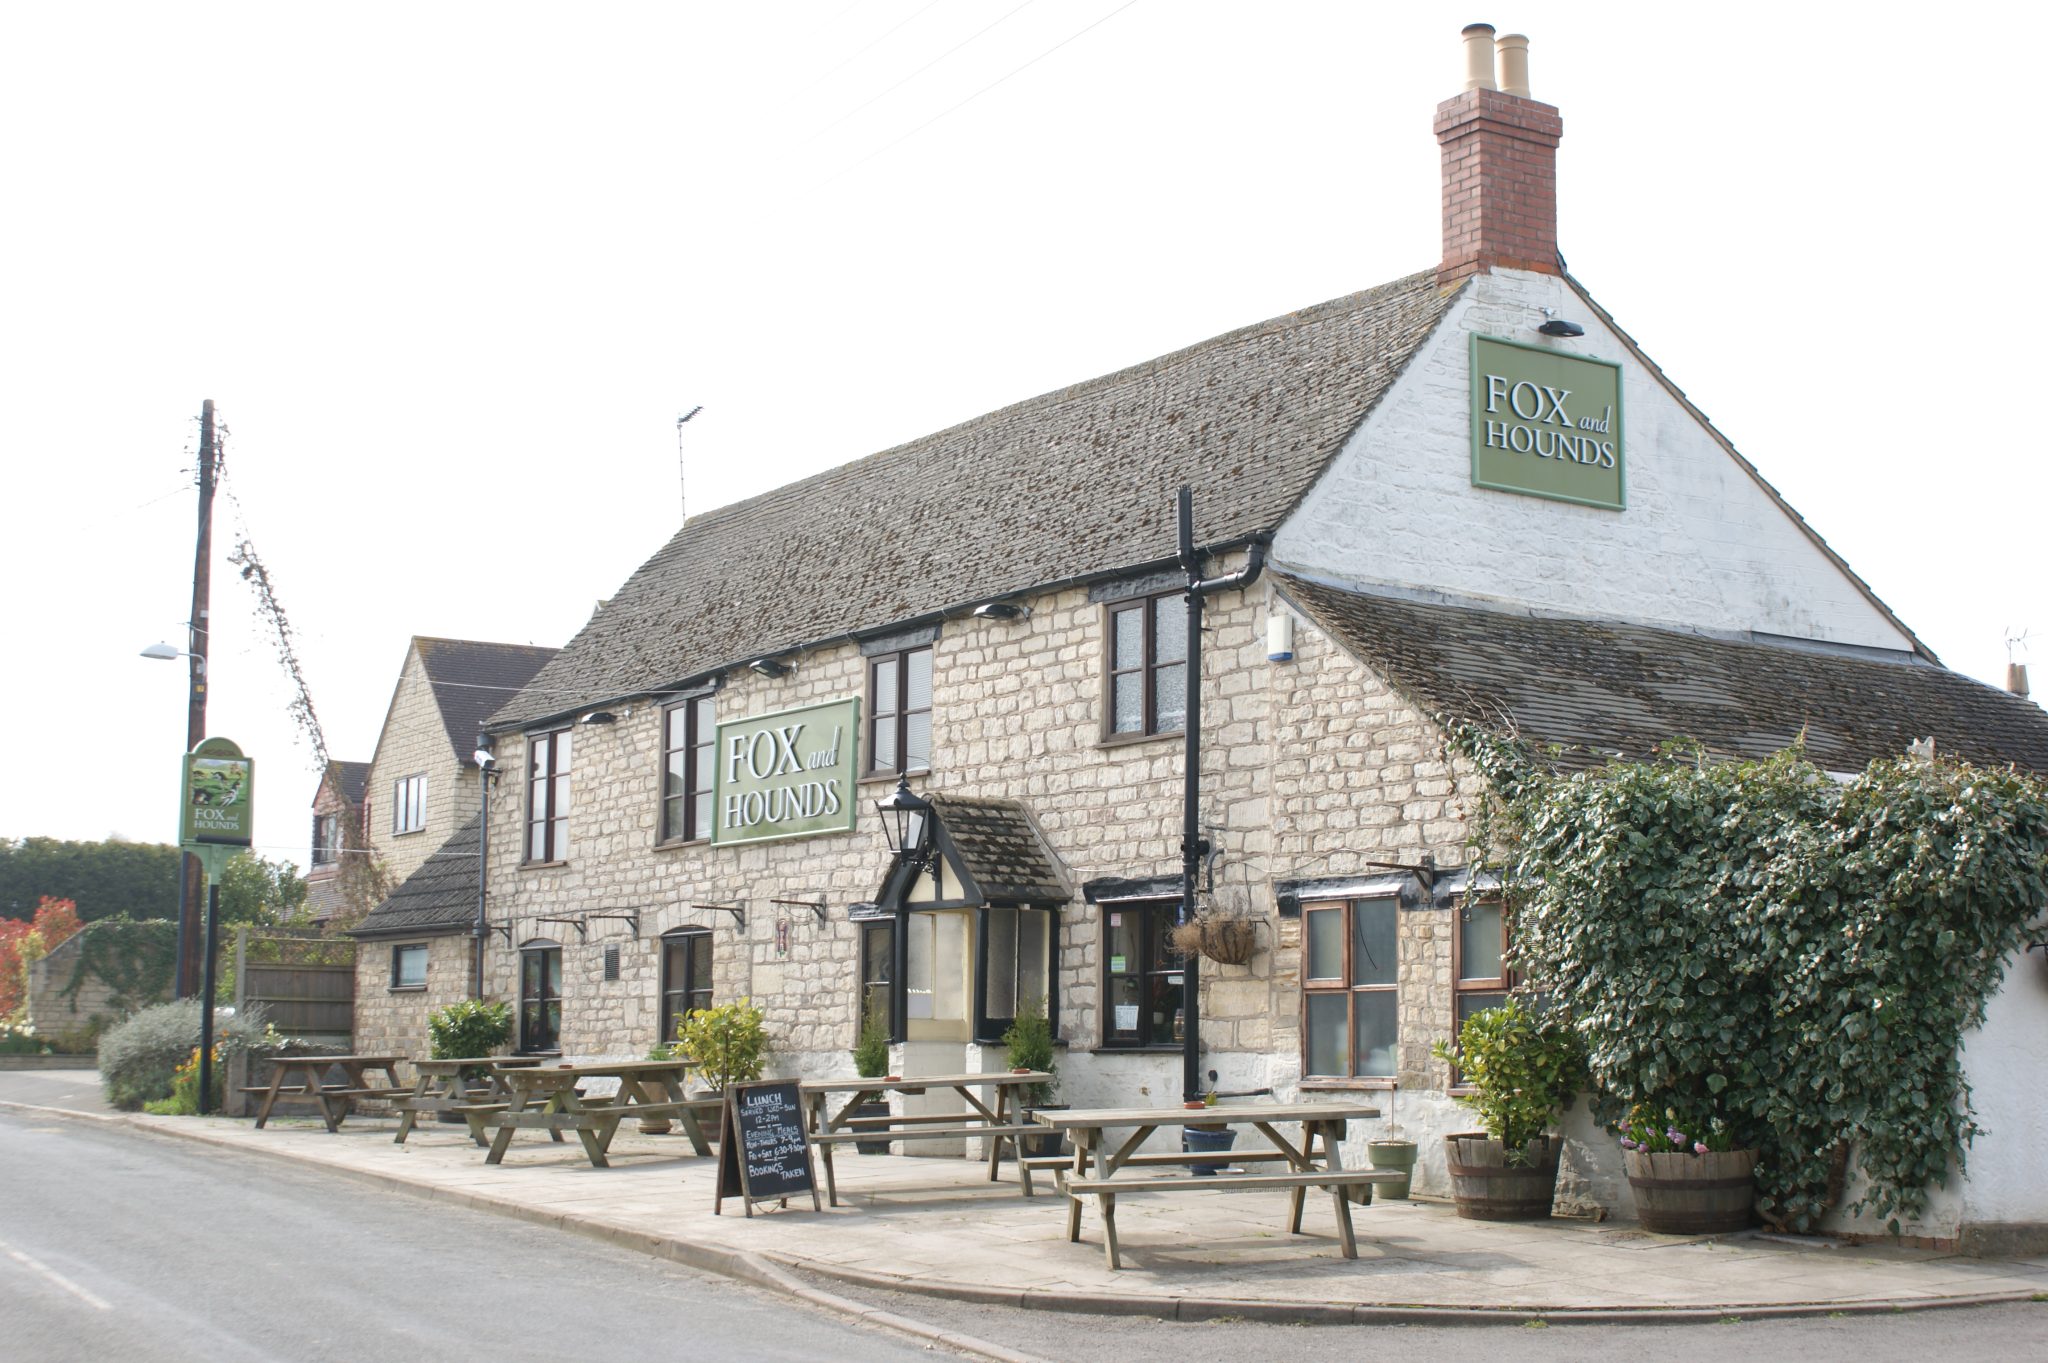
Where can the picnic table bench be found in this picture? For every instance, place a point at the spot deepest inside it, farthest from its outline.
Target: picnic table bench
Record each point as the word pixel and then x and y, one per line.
pixel 470 1088
pixel 335 1101
pixel 997 1124
pixel 546 1098
pixel 1320 1123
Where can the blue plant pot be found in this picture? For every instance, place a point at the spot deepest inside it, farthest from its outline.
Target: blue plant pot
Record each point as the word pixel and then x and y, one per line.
pixel 1194 1141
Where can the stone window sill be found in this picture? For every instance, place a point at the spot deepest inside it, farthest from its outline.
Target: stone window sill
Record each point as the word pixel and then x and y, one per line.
pixel 1107 1049
pixel 540 865
pixel 408 989
pixel 1139 740
pixel 672 845
pixel 407 832
pixel 882 778
pixel 1370 1085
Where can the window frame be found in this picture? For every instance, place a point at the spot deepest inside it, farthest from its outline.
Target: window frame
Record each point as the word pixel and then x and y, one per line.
pixel 985 1028
pixel 326 841
pixel 543 814
pixel 872 764
pixel 1149 667
pixel 399 952
pixel 700 767
pixel 878 973
pixel 1160 917
pixel 1325 986
pixel 692 941
pixel 409 804
pixel 1462 988
pixel 544 949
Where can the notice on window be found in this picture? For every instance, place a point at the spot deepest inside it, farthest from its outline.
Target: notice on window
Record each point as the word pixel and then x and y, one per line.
pixel 1127 1017
pixel 1116 965
pixel 1116 920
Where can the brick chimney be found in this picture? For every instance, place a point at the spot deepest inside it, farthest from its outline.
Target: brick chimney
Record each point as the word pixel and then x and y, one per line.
pixel 1500 164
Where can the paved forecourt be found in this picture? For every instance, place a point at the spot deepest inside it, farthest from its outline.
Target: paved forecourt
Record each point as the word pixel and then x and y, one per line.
pixel 937 1225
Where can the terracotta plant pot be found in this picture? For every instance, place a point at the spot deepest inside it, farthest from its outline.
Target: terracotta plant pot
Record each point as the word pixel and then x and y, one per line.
pixel 1487 1186
pixel 1680 1193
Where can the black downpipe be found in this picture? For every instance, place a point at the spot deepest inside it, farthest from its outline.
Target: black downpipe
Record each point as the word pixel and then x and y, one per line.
pixel 483 863
pixel 1199 588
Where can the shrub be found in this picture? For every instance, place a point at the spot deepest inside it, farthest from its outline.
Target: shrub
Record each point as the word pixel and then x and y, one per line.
pixel 471 1027
pixel 1030 1042
pixel 1524 1067
pixel 727 1042
pixel 871 1051
pixel 184 1099
pixel 139 1057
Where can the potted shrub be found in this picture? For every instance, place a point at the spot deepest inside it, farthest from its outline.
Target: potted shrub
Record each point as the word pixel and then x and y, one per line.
pixel 471 1029
pixel 871 1061
pixel 658 1125
pixel 1201 1138
pixel 1523 1068
pixel 1030 1044
pixel 1391 1152
pixel 1687 1176
pixel 727 1043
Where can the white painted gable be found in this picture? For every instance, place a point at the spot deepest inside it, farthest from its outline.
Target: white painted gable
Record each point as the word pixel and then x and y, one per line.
pixel 1700 546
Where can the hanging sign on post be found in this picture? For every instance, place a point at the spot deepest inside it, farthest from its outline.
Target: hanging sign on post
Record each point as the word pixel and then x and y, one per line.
pixel 764 1152
pixel 219 791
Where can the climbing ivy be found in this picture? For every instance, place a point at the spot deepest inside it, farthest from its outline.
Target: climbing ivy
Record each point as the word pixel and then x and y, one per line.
pixel 1760 943
pixel 137 961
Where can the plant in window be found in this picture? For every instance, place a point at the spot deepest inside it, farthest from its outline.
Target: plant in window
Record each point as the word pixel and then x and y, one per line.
pixel 728 1043
pixel 871 1050
pixel 1523 1068
pixel 1030 1044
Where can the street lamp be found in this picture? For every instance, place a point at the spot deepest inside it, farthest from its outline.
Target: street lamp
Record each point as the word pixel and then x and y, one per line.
pixel 189 931
pixel 906 821
pixel 167 654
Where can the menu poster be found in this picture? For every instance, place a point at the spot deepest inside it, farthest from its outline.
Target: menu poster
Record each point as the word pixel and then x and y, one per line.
pixel 764 1152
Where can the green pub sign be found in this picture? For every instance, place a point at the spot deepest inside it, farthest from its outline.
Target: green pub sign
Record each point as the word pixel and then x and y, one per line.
pixel 219 796
pixel 1546 424
pixel 786 775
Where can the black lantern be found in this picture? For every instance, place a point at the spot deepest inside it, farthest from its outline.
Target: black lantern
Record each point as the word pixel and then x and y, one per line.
pixel 905 820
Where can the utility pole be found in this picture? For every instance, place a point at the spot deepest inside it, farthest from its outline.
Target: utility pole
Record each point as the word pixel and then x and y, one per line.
pixel 191 901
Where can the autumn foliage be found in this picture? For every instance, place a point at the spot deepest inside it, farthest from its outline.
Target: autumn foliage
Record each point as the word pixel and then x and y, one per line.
pixel 23 944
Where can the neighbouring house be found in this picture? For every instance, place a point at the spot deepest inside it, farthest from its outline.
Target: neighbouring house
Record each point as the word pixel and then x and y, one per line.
pixel 1466 494
pixel 422 782
pixel 337 835
pixel 415 952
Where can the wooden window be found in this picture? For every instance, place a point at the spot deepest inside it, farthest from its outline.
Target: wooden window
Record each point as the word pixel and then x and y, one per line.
pixel 1350 1026
pixel 540 998
pixel 1148 665
pixel 326 839
pixel 689 728
pixel 877 970
pixel 1015 967
pixel 409 804
pixel 900 712
pixel 685 977
pixel 1141 975
pixel 1480 977
pixel 547 796
pixel 409 966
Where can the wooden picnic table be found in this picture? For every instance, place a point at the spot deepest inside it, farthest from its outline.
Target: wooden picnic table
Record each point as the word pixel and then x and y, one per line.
pixel 545 1098
pixel 998 1124
pixel 335 1101
pixel 470 1087
pixel 1092 1170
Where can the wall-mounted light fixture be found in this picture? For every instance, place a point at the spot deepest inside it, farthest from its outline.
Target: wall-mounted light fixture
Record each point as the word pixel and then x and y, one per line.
pixel 1002 610
pixel 771 667
pixel 1557 326
pixel 599 717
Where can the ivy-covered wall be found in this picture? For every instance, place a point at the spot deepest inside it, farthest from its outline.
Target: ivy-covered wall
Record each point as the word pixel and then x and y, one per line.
pixel 99 976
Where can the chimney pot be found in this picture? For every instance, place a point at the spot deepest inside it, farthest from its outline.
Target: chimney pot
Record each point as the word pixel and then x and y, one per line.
pixel 1513 53
pixel 1479 57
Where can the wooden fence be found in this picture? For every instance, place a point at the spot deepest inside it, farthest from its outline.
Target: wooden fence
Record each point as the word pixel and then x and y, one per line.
pixel 306 986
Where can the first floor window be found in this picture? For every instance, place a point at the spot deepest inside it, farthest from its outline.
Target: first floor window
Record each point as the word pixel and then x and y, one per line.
pixel 1141 976
pixel 877 969
pixel 409 804
pixel 547 796
pixel 1148 665
pixel 326 839
pixel 1480 977
pixel 685 977
pixel 689 728
pixel 409 966
pixel 540 998
pixel 1350 1025
pixel 900 711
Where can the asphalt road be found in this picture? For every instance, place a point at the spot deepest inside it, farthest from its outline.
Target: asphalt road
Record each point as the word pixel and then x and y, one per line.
pixel 115 1245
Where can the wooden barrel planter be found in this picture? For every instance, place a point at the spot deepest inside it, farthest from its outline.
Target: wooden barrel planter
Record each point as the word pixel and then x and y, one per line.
pixel 1680 1193
pixel 1488 1188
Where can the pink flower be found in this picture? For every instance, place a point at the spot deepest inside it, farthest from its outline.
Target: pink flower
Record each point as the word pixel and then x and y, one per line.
pixel 1699 1147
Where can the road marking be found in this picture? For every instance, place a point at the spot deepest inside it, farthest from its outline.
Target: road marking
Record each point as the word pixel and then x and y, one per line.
pixel 88 1297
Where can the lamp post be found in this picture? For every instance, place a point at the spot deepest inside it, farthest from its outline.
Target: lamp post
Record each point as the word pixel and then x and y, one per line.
pixel 485 770
pixel 906 827
pixel 195 733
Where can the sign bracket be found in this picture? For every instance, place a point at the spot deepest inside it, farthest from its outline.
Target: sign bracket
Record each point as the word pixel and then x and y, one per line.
pixel 817 908
pixel 738 912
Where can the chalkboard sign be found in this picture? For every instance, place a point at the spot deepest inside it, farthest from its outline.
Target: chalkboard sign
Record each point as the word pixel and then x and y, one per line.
pixel 764 1152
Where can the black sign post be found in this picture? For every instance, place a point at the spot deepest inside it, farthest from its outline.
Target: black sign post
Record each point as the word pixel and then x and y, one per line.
pixel 764 1152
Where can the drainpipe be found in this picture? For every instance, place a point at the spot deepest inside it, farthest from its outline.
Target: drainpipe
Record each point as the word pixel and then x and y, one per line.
pixel 483 860
pixel 1191 845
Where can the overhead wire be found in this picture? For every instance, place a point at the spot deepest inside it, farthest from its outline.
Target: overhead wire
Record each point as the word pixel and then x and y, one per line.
pixel 920 71
pixel 884 34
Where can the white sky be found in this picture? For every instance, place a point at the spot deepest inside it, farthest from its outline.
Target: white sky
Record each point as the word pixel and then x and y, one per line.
pixel 452 271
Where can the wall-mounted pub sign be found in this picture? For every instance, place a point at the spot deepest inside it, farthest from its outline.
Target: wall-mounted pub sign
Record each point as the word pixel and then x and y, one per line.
pixel 1546 424
pixel 786 775
pixel 219 796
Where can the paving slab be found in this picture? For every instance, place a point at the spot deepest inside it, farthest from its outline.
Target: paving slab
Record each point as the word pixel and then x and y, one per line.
pixel 937 1226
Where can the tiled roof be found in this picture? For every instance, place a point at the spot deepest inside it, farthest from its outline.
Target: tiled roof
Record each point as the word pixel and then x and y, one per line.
pixel 1600 689
pixel 999 847
pixel 439 897
pixel 1059 488
pixel 471 680
pixel 351 778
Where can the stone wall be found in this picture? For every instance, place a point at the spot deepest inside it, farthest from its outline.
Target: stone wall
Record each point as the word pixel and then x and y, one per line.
pixel 70 1022
pixel 415 741
pixel 389 1020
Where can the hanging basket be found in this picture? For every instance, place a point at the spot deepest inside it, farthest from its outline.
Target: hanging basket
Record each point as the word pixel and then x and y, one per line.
pixel 1223 939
